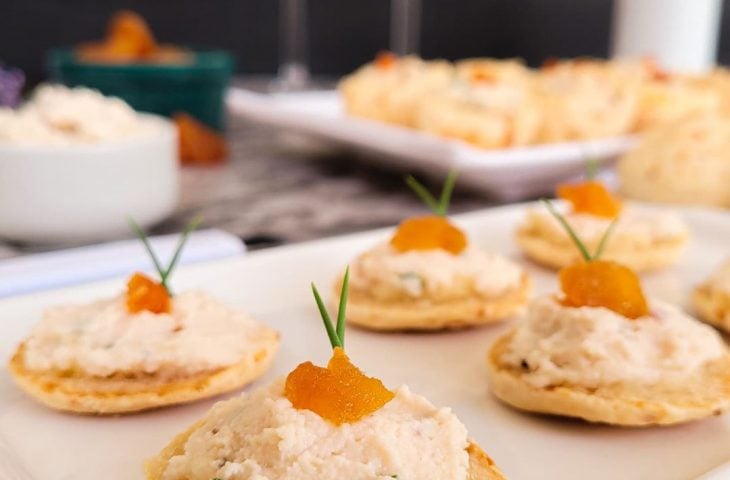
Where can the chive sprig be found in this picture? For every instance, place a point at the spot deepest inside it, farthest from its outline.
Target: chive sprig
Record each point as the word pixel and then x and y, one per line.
pixel 335 332
pixel 441 205
pixel 587 256
pixel 165 272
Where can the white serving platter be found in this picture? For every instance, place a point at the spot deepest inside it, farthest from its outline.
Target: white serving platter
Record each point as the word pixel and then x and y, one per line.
pixel 448 368
pixel 508 174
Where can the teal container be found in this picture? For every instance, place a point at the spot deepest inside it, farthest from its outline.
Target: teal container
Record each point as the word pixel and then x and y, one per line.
pixel 197 87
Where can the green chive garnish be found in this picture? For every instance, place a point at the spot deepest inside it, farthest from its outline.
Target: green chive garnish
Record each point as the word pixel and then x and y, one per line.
pixel 440 206
pixel 574 236
pixel 336 333
pixel 592 167
pixel 162 272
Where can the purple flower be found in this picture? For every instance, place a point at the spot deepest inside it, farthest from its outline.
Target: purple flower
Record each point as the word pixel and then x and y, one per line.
pixel 11 85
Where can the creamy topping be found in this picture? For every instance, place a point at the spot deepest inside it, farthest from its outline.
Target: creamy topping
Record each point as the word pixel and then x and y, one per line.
pixel 593 346
pixel 102 338
pixel 634 226
pixel 262 437
pixel 720 278
pixel 387 273
pixel 58 115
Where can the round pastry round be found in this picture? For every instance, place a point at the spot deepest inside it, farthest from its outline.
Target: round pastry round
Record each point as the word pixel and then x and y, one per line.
pixel 584 99
pixel 686 161
pixel 262 435
pixel 390 89
pixel 99 359
pixel 491 104
pixel 711 299
pixel 433 289
pixel 662 381
pixel 641 240
pixel 481 466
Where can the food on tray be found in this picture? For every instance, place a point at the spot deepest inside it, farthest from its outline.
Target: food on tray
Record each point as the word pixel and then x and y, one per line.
pixel 642 239
pixel 584 98
pixel 493 104
pixel 58 115
pixel 685 161
pixel 601 351
pixel 390 89
pixel 198 143
pixel 325 423
pixel 130 40
pixel 667 97
pixel 429 276
pixel 146 348
pixel 711 299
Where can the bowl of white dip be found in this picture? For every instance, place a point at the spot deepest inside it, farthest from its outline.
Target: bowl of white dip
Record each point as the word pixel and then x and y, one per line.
pixel 74 165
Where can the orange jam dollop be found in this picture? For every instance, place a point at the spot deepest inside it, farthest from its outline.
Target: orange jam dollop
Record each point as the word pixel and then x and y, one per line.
pixel 590 197
pixel 198 144
pixel 385 60
pixel 143 293
pixel 340 393
pixel 603 283
pixel 429 232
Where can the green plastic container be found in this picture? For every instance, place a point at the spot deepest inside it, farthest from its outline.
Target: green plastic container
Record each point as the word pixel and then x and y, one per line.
pixel 197 88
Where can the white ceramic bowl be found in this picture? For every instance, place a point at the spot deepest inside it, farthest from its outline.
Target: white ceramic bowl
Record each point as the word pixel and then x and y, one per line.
pixel 81 193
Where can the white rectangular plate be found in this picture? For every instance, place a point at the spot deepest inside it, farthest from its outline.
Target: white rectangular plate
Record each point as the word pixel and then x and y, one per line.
pixel 510 174
pixel 448 368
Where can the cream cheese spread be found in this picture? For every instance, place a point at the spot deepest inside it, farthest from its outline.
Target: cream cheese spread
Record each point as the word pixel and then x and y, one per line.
pixel 634 226
pixel 385 272
pixel 102 338
pixel 58 115
pixel 261 436
pixel 594 346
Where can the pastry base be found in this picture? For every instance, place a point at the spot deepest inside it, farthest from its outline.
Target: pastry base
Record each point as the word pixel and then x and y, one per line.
pixel 366 312
pixel 481 466
pixel 559 255
pixel 103 396
pixel 702 395
pixel 713 306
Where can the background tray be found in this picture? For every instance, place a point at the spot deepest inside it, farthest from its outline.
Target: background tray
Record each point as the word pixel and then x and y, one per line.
pixel 508 174
pixel 448 368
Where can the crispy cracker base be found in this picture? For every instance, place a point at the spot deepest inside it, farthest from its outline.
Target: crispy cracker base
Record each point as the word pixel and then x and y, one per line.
pixel 557 255
pixel 103 396
pixel 704 394
pixel 368 313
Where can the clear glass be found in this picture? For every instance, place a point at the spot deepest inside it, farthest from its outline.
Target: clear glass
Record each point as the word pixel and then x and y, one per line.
pixel 293 71
pixel 405 26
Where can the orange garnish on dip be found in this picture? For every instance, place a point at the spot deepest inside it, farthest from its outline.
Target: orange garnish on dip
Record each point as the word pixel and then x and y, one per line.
pixel 600 283
pixel 339 393
pixel 430 232
pixel 144 293
pixel 129 39
pixel 385 60
pixel 350 395
pixel 603 283
pixel 590 197
pixel 199 144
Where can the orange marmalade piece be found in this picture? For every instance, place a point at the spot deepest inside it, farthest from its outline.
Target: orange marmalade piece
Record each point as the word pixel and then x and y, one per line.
pixel 385 60
pixel 340 393
pixel 128 39
pixel 199 144
pixel 428 232
pixel 603 283
pixel 143 293
pixel 128 30
pixel 590 197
